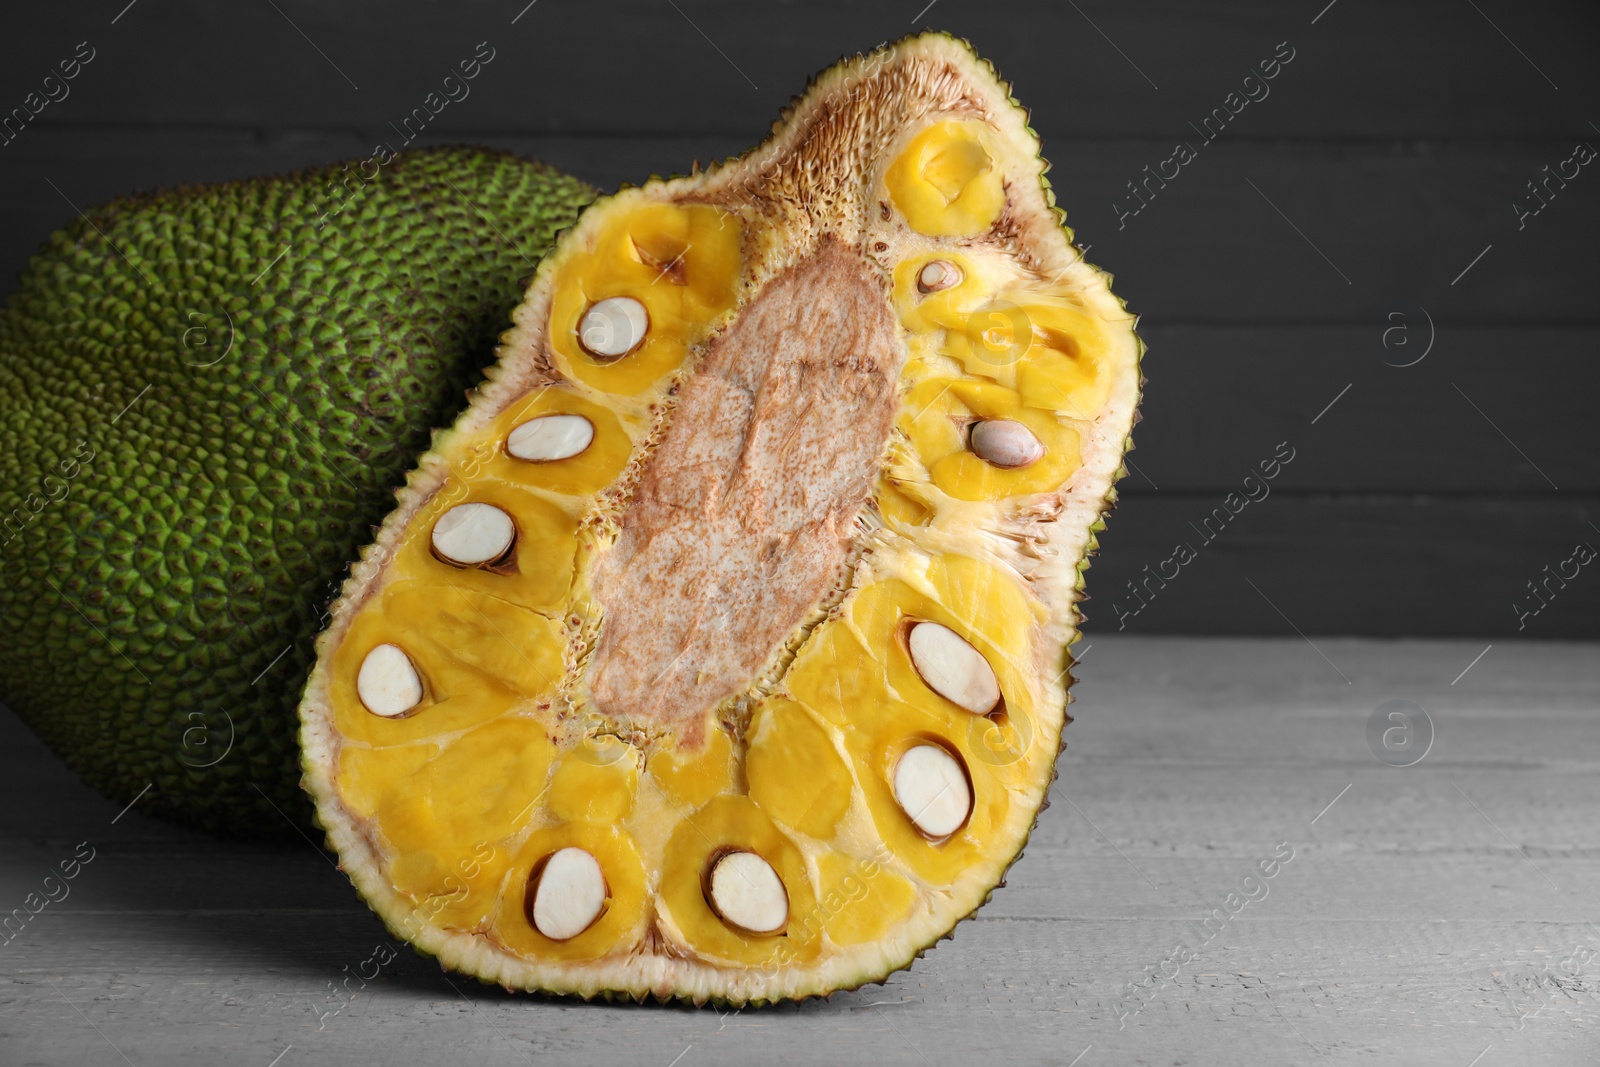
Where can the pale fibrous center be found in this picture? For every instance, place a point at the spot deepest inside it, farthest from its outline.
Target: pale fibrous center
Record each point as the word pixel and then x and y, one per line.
pixel 744 512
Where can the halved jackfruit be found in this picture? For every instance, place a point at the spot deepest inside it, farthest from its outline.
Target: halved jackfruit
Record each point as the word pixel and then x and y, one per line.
pixel 719 650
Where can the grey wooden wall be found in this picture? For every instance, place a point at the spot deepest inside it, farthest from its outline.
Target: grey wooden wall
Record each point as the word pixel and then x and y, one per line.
pixel 1361 210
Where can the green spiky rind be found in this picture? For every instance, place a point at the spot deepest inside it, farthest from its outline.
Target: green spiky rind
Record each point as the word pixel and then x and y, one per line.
pixel 206 534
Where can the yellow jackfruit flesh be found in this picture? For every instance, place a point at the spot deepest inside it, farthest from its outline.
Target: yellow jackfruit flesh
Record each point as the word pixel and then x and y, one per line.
pixel 719 651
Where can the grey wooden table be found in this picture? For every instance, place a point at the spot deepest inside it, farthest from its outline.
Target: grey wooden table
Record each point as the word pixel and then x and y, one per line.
pixel 1441 913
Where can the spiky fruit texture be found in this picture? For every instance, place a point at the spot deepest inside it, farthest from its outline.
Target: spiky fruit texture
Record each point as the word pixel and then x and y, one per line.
pixel 743 678
pixel 207 398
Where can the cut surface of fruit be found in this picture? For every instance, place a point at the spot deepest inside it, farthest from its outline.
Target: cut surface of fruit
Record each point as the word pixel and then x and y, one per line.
pixel 719 650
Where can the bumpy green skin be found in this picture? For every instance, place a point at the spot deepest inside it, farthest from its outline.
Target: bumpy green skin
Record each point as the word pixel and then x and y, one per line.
pixel 198 439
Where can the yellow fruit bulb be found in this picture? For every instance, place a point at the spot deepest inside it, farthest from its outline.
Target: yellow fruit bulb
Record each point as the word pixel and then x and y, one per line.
pixel 448 828
pixel 862 898
pixel 947 182
pixel 876 752
pixel 899 508
pixel 735 822
pixel 680 261
pixel 690 777
pixel 1055 355
pixel 795 775
pixel 537 572
pixel 367 775
pixel 624 918
pixel 595 781
pixel 938 417
pixel 467 635
pixel 452 701
pixel 945 308
pixel 587 472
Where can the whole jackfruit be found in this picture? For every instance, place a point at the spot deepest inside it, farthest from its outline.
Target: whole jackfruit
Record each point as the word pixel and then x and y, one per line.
pixel 719 650
pixel 207 399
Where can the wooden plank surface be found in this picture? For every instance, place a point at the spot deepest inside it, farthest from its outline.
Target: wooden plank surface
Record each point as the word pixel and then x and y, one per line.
pixel 1424 918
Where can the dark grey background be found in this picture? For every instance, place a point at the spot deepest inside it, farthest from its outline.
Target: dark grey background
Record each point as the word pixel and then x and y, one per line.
pixel 1353 199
